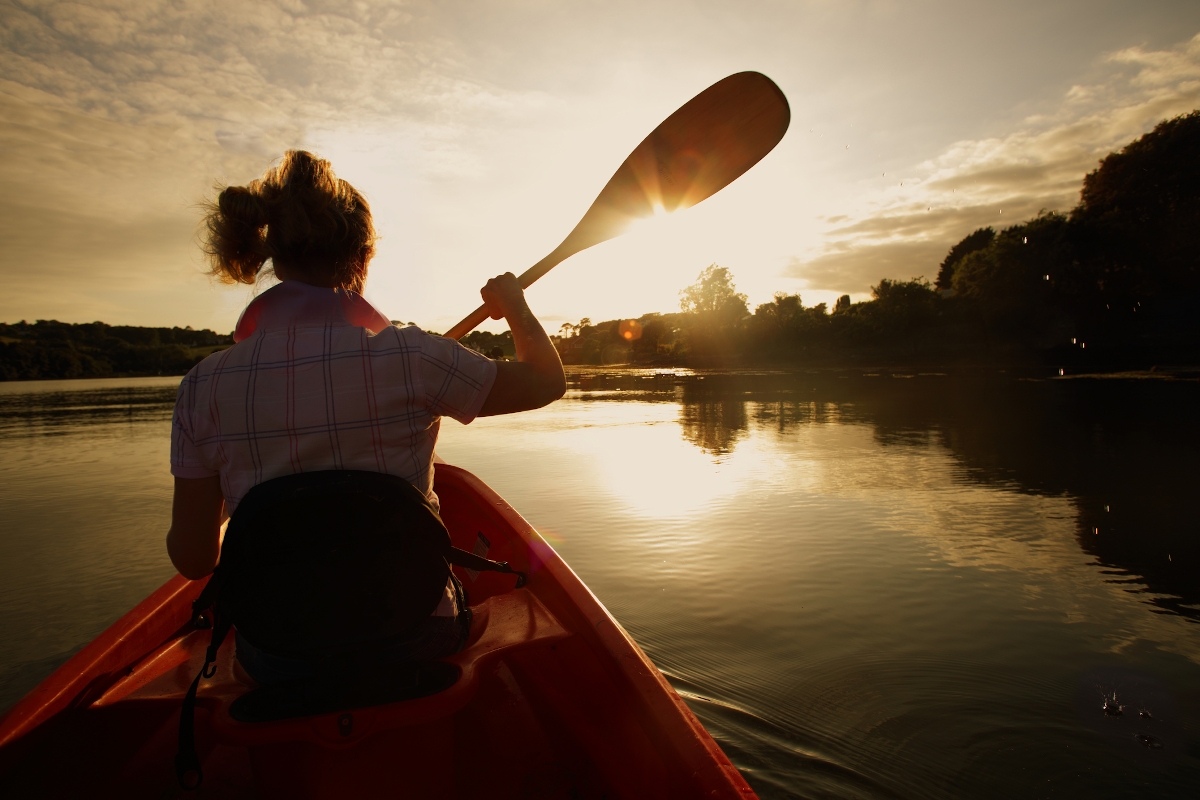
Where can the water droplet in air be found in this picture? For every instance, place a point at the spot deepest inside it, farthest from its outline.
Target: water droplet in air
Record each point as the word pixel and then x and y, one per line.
pixel 847 147
pixel 1096 531
pixel 1045 277
pixel 1060 372
pixel 1083 344
pixel 1025 240
pixel 1073 340
pixel 1106 509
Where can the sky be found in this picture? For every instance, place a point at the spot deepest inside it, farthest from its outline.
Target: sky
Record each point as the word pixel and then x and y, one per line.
pixel 481 131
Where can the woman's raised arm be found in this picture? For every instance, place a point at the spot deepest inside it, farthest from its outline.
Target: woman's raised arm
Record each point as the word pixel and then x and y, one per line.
pixel 536 378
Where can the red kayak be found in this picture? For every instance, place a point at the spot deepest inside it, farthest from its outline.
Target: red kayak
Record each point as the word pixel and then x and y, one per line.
pixel 553 700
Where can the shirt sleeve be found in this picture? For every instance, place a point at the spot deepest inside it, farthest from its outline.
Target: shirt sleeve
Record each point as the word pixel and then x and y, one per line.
pixel 185 457
pixel 456 379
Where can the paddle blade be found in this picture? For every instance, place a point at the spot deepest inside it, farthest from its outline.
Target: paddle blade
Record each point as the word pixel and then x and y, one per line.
pixel 697 151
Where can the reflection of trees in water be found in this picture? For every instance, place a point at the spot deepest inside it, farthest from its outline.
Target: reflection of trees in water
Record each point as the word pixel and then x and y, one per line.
pixel 782 415
pixel 714 427
pixel 49 412
pixel 1124 451
pixel 1126 446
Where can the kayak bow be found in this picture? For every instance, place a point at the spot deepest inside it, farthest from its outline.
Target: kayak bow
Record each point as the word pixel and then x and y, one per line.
pixel 554 699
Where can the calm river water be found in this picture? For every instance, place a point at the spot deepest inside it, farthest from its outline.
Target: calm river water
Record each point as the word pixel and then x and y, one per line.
pixel 865 585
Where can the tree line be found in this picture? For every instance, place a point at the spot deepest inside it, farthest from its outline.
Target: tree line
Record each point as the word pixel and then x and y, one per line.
pixel 1113 283
pixel 49 349
pixel 52 349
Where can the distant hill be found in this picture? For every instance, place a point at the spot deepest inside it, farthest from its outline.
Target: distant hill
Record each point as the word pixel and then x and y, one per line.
pixel 50 349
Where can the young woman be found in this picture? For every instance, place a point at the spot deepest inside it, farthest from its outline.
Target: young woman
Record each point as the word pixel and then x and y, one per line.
pixel 317 379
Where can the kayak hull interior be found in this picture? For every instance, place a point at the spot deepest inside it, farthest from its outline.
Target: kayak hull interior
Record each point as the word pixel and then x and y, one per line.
pixel 554 700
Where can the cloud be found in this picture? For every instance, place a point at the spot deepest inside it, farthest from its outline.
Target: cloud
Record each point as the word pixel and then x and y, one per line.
pixel 478 131
pixel 905 230
pixel 117 117
pixel 857 268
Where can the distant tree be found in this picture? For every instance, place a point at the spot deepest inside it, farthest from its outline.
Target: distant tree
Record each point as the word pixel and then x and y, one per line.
pixel 971 243
pixel 1021 284
pixel 1139 214
pixel 899 305
pixel 781 313
pixel 658 335
pixel 494 345
pixel 842 304
pixel 898 294
pixel 713 293
pixel 714 311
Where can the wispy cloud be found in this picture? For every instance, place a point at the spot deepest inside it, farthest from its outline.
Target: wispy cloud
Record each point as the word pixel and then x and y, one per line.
pixel 481 131
pixel 117 116
pixel 907 222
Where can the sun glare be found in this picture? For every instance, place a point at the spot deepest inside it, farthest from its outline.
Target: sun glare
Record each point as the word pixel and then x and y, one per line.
pixel 649 222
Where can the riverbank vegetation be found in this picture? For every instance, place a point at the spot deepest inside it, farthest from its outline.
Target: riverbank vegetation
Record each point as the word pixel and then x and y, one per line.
pixel 51 349
pixel 1115 283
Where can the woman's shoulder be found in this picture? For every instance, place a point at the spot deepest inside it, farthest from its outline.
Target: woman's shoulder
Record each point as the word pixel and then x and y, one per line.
pixel 416 336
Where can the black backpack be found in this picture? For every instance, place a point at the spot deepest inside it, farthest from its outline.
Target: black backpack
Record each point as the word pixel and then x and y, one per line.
pixel 325 567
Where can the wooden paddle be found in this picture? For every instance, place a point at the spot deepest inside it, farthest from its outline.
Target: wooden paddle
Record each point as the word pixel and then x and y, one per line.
pixel 697 151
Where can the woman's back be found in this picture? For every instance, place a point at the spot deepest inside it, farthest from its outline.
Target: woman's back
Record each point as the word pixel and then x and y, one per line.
pixel 318 380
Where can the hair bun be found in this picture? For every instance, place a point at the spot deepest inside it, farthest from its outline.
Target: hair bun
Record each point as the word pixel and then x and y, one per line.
pixel 240 205
pixel 299 215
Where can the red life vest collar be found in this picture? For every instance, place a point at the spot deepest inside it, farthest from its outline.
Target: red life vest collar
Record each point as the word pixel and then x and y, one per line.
pixel 292 303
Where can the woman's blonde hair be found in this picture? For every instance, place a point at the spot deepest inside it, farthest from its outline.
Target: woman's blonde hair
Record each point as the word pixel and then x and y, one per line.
pixel 300 216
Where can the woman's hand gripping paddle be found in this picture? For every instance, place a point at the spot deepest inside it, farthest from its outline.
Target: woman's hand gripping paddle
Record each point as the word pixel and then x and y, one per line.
pixel 697 151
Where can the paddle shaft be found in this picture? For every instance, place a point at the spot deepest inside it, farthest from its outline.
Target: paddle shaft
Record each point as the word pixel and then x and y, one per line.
pixel 698 150
pixel 526 279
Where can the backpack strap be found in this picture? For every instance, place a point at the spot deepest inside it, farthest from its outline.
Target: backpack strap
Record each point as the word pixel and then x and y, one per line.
pixel 187 761
pixel 462 558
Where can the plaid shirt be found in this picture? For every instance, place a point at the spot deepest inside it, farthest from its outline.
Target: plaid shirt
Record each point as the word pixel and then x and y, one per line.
pixel 318 380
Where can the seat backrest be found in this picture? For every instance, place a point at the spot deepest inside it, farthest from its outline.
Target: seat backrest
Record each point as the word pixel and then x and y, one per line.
pixel 324 566
pixel 318 563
